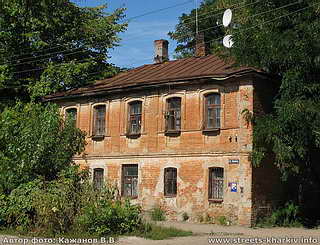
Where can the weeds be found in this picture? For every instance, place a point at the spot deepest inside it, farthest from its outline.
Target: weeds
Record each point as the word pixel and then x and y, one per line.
pixel 157 214
pixel 286 216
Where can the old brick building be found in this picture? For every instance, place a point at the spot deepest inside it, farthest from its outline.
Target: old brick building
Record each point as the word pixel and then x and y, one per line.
pixel 172 134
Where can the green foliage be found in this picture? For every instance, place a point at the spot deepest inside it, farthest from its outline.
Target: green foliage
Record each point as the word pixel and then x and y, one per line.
pixel 154 232
pixel 185 31
pixel 222 220
pixel 35 142
pixel 3 209
pixel 157 214
pixel 286 216
pixel 185 216
pixel 104 217
pixel 48 46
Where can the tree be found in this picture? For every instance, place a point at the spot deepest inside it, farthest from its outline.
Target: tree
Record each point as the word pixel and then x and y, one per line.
pixel 185 31
pixel 35 142
pixel 53 45
pixel 281 37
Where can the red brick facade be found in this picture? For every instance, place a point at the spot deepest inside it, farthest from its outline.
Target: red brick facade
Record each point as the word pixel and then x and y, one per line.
pixel 193 152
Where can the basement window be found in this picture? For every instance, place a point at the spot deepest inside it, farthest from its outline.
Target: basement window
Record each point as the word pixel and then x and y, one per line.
pixel 130 180
pixel 212 112
pixel 216 184
pixel 99 120
pixel 170 182
pixel 71 114
pixel 98 179
pixel 173 115
pixel 134 120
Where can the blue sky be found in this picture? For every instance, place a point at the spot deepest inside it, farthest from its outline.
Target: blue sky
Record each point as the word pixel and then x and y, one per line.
pixel 136 47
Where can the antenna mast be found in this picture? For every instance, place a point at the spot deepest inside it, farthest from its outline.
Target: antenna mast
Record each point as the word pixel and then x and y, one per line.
pixel 197 26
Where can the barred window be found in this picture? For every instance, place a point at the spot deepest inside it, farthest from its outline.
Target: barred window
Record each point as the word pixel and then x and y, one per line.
pixel 98 179
pixel 130 180
pixel 216 183
pixel 212 112
pixel 99 120
pixel 173 114
pixel 170 181
pixel 71 114
pixel 134 124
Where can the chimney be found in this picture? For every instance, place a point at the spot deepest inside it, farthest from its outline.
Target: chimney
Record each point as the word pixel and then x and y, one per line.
pixel 161 51
pixel 201 47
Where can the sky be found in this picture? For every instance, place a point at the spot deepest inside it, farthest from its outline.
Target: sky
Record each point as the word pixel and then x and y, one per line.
pixel 136 47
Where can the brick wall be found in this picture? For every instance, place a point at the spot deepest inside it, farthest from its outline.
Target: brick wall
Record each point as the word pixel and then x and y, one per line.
pixel 192 152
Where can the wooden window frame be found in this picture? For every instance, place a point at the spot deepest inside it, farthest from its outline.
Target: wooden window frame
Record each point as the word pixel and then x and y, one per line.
pixel 173 115
pixel 130 179
pixel 98 183
pixel 216 110
pixel 134 116
pixel 75 117
pixel 170 180
pixel 216 184
pixel 97 133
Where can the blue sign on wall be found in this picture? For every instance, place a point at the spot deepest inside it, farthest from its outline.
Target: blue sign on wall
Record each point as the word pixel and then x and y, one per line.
pixel 234 187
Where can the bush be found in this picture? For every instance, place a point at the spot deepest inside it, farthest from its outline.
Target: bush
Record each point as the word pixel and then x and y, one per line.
pixel 21 213
pixel 106 217
pixel 3 209
pixel 157 214
pixel 286 216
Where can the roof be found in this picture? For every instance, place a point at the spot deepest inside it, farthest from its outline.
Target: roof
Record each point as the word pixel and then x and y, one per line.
pixel 209 66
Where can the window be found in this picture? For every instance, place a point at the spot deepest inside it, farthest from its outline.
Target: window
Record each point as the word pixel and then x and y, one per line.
pixel 134 124
pixel 130 180
pixel 216 184
pixel 99 120
pixel 98 178
pixel 173 115
pixel 212 111
pixel 170 181
pixel 71 114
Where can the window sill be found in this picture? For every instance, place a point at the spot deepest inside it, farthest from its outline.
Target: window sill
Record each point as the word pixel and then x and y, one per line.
pixel 172 133
pixel 170 196
pixel 210 129
pixel 133 135
pixel 215 200
pixel 97 137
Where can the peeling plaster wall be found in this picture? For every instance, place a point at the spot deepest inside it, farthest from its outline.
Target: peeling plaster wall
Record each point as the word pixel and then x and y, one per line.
pixel 192 152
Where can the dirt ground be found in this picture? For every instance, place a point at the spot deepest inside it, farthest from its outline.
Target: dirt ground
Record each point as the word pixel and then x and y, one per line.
pixel 213 234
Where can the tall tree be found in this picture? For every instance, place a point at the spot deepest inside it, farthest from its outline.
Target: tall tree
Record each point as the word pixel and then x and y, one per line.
pixel 281 37
pixel 35 142
pixel 53 45
pixel 208 24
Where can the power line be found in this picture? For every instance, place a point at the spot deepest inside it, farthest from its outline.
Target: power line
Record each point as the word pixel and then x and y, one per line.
pixel 128 19
pixel 215 27
pixel 191 34
pixel 269 21
pixel 157 10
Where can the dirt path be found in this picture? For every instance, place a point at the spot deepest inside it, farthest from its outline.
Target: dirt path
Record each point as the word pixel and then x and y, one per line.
pixel 214 234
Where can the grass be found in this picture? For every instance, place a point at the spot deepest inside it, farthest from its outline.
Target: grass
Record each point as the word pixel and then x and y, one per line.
pixel 155 232
pixel 149 231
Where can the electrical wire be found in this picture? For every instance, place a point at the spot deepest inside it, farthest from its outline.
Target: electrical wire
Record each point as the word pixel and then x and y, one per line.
pixel 210 28
pixel 128 19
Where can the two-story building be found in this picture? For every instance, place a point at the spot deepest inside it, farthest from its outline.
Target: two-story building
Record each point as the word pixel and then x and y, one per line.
pixel 172 134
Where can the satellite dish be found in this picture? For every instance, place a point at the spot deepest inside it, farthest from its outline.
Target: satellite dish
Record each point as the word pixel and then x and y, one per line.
pixel 227 17
pixel 227 41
